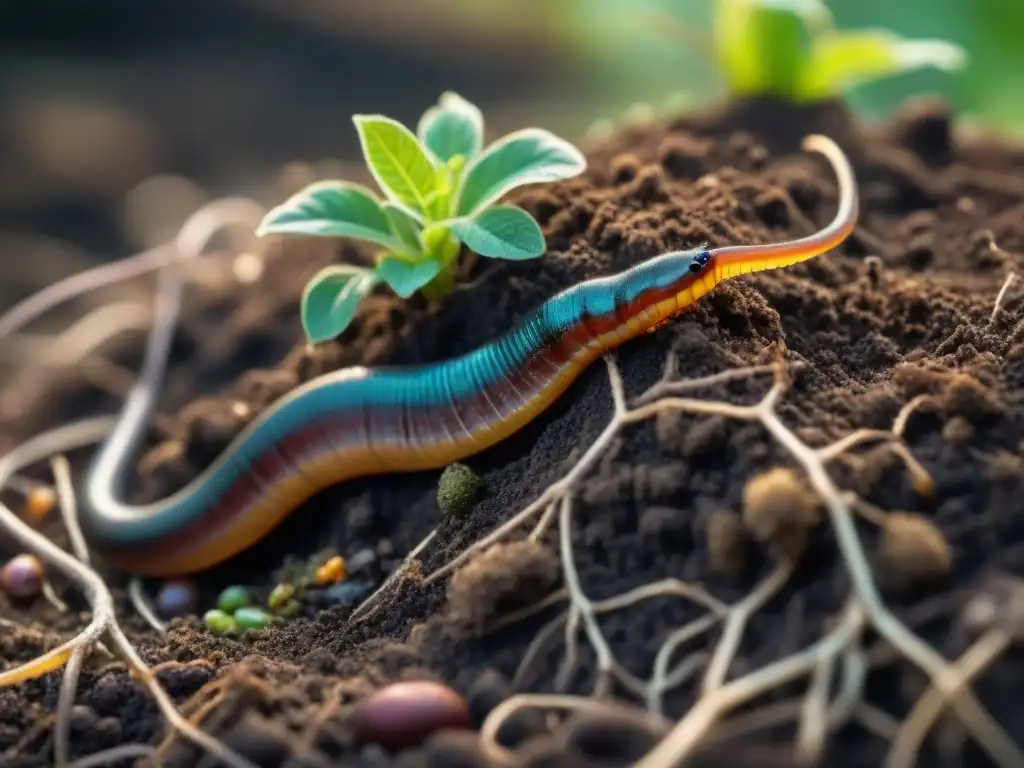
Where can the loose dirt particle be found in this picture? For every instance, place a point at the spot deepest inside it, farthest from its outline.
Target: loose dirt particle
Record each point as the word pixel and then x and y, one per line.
pixel 958 430
pixel 913 551
pixel 728 542
pixel 500 579
pixel 780 510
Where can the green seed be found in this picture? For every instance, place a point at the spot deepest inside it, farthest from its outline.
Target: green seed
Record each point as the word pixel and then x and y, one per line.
pixel 280 595
pixel 233 598
pixel 251 617
pixel 457 490
pixel 219 622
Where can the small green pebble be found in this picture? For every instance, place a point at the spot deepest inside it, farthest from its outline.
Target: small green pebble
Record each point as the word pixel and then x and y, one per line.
pixel 233 598
pixel 280 595
pixel 457 490
pixel 250 617
pixel 219 622
pixel 289 609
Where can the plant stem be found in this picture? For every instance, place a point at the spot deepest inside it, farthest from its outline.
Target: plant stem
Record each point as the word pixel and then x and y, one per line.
pixel 444 282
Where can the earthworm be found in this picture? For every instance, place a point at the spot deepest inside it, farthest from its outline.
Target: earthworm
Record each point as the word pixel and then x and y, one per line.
pixel 359 421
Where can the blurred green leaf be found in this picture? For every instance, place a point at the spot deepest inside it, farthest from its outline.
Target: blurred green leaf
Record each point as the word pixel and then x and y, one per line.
pixel 331 208
pixel 501 232
pixel 330 299
pixel 841 59
pixel 762 45
pixel 453 127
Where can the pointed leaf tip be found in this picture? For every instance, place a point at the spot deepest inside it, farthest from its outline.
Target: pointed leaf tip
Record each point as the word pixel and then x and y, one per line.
pixel 330 209
pixel 453 127
pixel 396 160
pixel 501 232
pixel 529 156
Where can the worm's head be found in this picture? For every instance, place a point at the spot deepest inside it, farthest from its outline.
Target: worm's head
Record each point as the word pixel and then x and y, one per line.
pixel 697 278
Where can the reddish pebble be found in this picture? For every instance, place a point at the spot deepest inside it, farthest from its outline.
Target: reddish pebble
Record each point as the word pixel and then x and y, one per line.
pixel 22 577
pixel 404 715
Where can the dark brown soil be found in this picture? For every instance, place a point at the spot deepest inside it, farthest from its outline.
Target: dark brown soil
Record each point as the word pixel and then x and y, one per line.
pixel 901 308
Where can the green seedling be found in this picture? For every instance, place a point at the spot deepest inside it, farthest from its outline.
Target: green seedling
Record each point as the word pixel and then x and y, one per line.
pixel 789 49
pixel 442 188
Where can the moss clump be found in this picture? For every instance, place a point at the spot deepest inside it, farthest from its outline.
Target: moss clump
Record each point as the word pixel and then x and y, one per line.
pixel 458 490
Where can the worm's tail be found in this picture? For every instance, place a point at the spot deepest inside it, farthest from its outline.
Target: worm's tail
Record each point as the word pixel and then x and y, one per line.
pixel 732 260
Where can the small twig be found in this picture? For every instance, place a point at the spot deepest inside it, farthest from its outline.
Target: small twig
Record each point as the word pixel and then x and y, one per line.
pixel 904 747
pixel 370 605
pixel 499 754
pixel 65 701
pixel 143 606
pixel 52 598
pixel 116 755
pixel 685 736
pixel 1010 277
pixel 69 506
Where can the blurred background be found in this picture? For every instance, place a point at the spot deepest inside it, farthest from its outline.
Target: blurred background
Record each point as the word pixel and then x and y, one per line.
pixel 99 96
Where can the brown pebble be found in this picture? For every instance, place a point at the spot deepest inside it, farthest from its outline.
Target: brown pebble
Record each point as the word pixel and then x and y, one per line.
pixel 405 714
pixel 913 550
pixel 22 577
pixel 957 430
pixel 780 510
pixel 728 542
pixel 501 579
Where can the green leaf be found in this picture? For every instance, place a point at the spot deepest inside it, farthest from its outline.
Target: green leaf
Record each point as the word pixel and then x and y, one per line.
pixel 405 228
pixel 501 232
pixel 841 59
pixel 330 299
pixel 330 208
pixel 406 277
pixel 762 45
pixel 529 156
pixel 396 160
pixel 453 127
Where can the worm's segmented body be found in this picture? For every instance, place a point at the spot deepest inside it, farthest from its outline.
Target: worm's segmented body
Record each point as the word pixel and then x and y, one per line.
pixel 361 421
